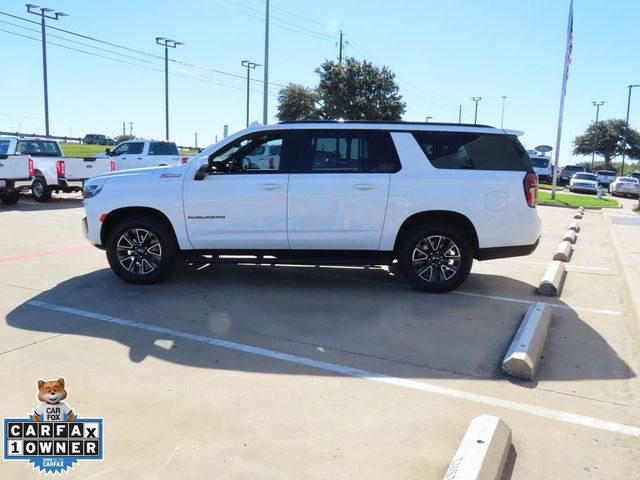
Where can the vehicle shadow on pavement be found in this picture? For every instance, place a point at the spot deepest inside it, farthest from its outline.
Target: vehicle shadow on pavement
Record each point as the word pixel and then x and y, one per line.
pixel 28 204
pixel 367 319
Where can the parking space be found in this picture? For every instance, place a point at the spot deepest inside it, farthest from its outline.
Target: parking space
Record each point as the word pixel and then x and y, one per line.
pixel 318 372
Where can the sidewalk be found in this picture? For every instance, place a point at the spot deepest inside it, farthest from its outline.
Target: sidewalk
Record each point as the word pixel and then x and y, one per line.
pixel 624 226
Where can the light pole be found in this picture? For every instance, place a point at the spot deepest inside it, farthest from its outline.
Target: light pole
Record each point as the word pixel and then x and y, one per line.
pixel 265 99
pixel 43 15
pixel 475 118
pixel 504 98
pixel 250 66
pixel 166 42
pixel 597 105
pixel 627 121
pixel 427 119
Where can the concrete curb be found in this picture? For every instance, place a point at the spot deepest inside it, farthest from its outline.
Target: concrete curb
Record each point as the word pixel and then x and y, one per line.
pixel 575 227
pixel 570 236
pixel 552 280
pixel 563 252
pixel 631 274
pixel 522 357
pixel 482 452
pixel 542 204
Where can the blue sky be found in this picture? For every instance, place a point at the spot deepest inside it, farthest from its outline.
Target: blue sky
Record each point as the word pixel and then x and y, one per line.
pixel 443 53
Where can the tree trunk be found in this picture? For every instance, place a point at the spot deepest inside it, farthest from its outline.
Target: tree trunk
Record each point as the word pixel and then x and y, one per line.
pixel 607 161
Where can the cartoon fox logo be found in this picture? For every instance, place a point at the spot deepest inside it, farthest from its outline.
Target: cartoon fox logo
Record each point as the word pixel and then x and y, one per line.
pixel 52 408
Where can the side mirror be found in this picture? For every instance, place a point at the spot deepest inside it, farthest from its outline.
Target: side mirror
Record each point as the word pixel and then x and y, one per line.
pixel 107 151
pixel 202 172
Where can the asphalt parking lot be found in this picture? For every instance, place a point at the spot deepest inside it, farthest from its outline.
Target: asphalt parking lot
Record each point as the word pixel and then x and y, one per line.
pixel 257 372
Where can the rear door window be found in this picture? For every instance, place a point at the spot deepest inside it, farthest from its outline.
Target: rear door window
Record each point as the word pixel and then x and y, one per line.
pixel 4 147
pixel 345 151
pixel 163 148
pixel 475 151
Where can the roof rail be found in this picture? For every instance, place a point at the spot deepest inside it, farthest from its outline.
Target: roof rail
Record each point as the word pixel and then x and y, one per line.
pixel 393 122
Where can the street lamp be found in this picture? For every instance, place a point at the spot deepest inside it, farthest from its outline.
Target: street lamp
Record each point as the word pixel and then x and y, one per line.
pixel 597 105
pixel 475 118
pixel 43 15
pixel 250 66
pixel 504 98
pixel 167 43
pixel 627 121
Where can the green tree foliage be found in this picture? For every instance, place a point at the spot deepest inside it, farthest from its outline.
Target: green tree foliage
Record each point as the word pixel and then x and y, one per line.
pixel 608 138
pixel 296 102
pixel 122 138
pixel 352 90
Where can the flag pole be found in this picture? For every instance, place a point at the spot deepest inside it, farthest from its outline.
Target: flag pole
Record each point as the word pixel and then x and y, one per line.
pixel 567 61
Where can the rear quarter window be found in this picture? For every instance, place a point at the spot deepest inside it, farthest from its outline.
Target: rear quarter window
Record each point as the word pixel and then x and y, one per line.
pixel 163 148
pixel 474 151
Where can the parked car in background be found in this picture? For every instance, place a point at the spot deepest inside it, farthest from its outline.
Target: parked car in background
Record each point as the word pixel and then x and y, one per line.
pixel 139 153
pixel 583 182
pixel 96 139
pixel 543 167
pixel 434 197
pixel 635 175
pixel 627 186
pixel 568 171
pixel 15 172
pixel 605 177
pixel 53 172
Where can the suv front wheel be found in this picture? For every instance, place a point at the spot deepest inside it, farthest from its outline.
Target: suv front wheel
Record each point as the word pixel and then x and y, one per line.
pixel 435 257
pixel 141 249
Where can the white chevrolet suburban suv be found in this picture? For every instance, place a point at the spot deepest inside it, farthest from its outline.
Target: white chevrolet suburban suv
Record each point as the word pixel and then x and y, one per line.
pixel 430 196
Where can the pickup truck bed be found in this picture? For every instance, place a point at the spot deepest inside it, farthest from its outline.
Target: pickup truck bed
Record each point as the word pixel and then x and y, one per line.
pixel 15 172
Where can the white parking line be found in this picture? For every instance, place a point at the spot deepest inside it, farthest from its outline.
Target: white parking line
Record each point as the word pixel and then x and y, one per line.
pixel 354 372
pixel 529 302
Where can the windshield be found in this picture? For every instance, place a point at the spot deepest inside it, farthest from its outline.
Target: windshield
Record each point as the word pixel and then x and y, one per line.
pixel 540 162
pixel 39 148
pixel 585 176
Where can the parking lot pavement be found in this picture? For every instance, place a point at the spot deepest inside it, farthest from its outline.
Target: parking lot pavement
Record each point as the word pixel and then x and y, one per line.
pixel 305 372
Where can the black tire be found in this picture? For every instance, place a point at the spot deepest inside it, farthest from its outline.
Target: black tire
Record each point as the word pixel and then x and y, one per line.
pixel 40 190
pixel 440 246
pixel 10 198
pixel 141 249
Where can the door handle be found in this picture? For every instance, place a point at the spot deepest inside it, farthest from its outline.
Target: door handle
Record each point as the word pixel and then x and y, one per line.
pixel 364 186
pixel 139 158
pixel 270 186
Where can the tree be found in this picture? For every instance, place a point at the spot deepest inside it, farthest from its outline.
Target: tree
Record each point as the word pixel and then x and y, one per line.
pixel 608 138
pixel 297 102
pixel 352 90
pixel 356 90
pixel 122 138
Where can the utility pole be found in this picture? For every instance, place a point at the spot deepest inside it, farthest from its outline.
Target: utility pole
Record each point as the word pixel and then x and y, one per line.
pixel 250 66
pixel 475 118
pixel 427 119
pixel 124 129
pixel 627 122
pixel 196 140
pixel 131 129
pixel 43 15
pixel 460 114
pixel 504 98
pixel 265 105
pixel 597 105
pixel 167 43
pixel 340 56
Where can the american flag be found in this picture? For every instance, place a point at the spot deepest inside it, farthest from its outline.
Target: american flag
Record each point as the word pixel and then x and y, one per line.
pixel 567 58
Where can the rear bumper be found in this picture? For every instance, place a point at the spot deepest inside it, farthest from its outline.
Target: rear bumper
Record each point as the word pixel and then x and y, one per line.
pixel 504 252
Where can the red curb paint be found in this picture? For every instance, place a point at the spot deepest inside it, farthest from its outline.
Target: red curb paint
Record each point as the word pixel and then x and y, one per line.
pixel 43 254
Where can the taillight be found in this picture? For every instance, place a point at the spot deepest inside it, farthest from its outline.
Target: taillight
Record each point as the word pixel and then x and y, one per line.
pixel 531 189
pixel 60 168
pixel 113 165
pixel 32 170
pixel 184 159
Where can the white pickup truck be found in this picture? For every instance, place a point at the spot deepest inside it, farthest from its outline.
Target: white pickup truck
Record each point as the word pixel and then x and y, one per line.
pixel 15 172
pixel 139 153
pixel 52 171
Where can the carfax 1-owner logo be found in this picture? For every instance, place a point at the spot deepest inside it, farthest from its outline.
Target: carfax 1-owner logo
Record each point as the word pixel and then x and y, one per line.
pixel 53 437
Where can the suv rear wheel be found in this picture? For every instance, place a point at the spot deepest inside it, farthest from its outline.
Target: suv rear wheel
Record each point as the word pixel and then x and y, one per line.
pixel 435 257
pixel 141 249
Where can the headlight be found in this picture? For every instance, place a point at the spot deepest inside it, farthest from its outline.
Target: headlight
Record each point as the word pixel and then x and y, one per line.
pixel 90 191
